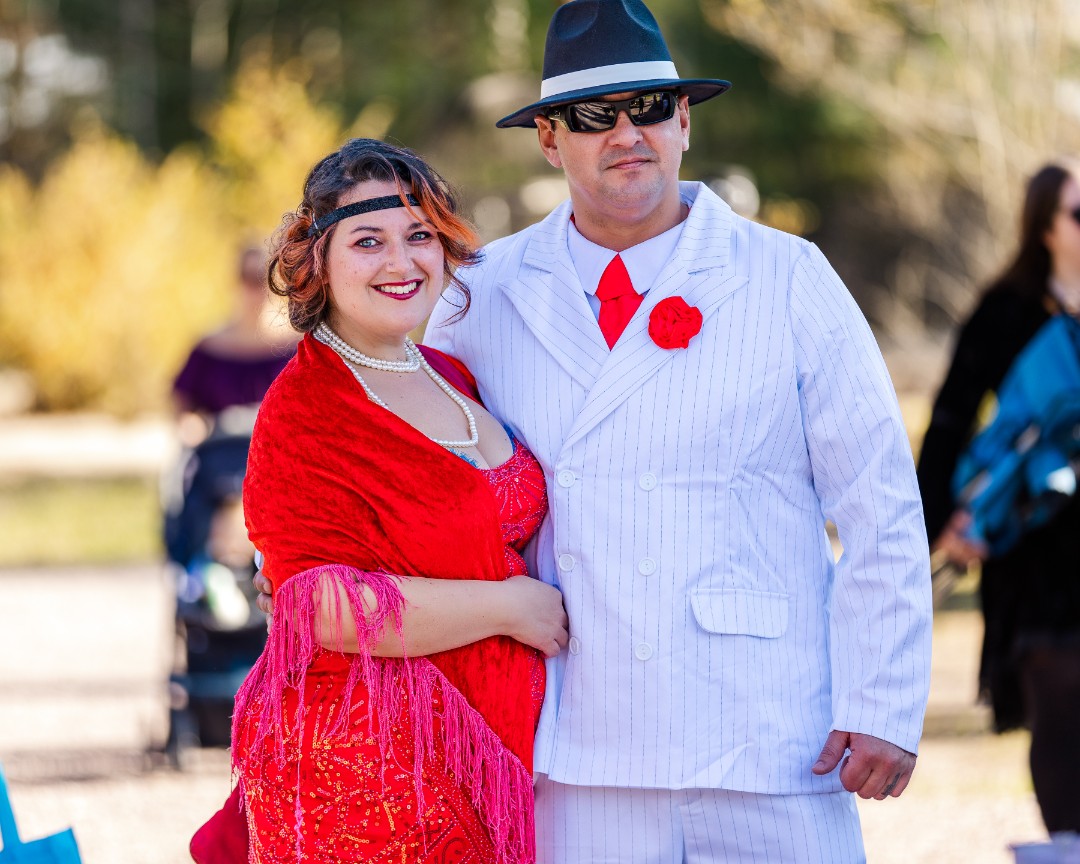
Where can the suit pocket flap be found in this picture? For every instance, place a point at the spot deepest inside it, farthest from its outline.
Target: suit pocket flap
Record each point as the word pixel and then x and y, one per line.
pixel 740 611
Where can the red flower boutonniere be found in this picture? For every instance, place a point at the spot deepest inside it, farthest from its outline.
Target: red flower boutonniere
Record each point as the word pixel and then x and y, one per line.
pixel 673 323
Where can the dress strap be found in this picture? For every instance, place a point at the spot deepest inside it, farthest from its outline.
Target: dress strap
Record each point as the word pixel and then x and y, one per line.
pixel 453 371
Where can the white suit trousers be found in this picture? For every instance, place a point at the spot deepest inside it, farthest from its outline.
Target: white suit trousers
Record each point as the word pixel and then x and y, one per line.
pixel 614 825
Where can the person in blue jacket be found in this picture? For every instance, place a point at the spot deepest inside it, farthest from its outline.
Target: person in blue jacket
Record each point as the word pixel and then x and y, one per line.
pixel 1020 470
pixel 1030 594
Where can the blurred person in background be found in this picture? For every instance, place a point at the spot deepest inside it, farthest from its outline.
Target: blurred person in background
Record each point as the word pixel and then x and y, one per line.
pixel 234 365
pixel 391 717
pixel 1030 664
pixel 216 396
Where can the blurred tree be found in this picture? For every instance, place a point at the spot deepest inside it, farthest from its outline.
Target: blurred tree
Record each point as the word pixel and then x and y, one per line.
pixel 443 71
pixel 970 97
pixel 264 139
pixel 437 74
pixel 895 132
pixel 115 264
pixel 111 266
pixel 174 58
pixel 43 81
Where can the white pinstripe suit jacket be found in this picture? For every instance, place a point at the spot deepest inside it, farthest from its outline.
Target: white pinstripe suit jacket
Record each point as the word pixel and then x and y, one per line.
pixel 714 643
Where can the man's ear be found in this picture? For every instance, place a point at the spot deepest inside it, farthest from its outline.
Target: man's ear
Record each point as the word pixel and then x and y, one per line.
pixel 545 133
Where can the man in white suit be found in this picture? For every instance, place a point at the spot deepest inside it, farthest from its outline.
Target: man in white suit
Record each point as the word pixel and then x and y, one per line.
pixel 726 686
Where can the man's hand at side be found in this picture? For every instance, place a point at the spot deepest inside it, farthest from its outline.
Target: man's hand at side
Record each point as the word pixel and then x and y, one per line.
pixel 873 769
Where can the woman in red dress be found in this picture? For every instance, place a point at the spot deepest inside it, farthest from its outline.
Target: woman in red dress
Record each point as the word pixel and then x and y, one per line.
pixel 391 716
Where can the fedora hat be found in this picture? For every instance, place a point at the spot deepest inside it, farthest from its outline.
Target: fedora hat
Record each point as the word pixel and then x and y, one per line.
pixel 600 47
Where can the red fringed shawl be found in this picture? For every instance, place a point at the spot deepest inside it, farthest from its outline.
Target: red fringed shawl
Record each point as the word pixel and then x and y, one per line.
pixel 341 487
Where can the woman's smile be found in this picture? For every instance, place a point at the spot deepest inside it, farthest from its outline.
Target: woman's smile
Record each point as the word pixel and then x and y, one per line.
pixel 400 290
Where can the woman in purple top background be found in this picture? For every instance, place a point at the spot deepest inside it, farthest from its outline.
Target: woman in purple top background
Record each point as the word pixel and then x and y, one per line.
pixel 234 366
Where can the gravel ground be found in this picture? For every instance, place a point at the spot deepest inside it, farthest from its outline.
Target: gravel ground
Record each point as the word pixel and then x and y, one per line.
pixel 84 654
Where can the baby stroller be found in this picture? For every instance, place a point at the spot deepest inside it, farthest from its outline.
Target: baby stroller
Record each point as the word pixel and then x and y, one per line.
pixel 220 630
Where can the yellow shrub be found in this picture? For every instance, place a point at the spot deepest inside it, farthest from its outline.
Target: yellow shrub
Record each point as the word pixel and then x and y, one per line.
pixel 266 138
pixel 113 266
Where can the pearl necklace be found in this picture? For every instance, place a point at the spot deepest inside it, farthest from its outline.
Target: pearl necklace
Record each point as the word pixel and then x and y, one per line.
pixel 328 337
pixel 343 349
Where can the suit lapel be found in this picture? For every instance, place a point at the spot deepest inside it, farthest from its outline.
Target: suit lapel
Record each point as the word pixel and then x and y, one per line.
pixel 703 271
pixel 549 298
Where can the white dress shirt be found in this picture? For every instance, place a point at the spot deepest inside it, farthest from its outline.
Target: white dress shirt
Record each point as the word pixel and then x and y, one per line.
pixel 643 262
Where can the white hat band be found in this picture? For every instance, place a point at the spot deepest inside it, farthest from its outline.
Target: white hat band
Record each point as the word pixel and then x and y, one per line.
pixel 602 76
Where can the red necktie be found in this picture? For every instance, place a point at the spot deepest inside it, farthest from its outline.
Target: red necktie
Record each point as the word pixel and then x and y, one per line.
pixel 618 300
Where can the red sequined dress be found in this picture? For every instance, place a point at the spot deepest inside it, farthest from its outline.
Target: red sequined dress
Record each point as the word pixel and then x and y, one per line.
pixel 347 757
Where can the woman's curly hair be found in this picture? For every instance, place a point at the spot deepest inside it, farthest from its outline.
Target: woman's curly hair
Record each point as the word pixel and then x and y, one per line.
pixel 297 266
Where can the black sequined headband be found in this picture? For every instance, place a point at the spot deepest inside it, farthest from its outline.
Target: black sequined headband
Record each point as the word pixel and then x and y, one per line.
pixel 366 206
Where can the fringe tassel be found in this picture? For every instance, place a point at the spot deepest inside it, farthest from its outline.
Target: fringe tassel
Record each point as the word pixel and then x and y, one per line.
pixel 498 785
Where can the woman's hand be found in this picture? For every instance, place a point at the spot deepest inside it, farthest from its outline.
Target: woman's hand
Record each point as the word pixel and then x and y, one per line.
pixel 535 615
pixel 954 543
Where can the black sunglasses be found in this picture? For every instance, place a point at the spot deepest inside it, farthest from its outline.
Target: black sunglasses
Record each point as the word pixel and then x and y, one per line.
pixel 645 109
pixel 1074 213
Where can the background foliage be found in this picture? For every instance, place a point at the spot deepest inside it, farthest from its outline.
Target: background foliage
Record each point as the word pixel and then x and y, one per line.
pixel 143 141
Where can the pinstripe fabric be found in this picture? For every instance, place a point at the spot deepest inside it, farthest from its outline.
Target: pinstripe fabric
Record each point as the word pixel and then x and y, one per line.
pixel 606 825
pixel 714 643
